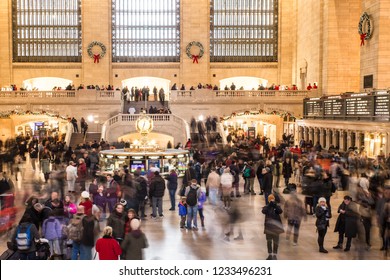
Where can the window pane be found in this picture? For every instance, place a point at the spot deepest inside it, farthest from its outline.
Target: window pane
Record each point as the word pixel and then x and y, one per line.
pixel 46 30
pixel 243 30
pixel 147 30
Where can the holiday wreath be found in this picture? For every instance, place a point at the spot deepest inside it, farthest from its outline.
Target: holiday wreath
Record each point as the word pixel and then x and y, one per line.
pixel 194 57
pixel 364 35
pixel 98 56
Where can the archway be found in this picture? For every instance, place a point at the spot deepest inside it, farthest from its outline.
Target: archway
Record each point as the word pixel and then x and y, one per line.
pixel 38 124
pixel 46 83
pixel 253 123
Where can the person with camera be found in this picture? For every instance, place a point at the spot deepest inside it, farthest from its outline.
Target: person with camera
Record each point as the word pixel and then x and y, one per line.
pixel 272 226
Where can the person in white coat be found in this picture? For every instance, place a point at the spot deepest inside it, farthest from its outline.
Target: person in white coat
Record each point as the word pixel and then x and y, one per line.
pixel 71 176
pixel 226 183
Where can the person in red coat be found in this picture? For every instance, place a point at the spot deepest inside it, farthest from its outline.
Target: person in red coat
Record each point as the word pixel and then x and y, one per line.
pixel 82 173
pixel 309 87
pixel 86 202
pixel 107 247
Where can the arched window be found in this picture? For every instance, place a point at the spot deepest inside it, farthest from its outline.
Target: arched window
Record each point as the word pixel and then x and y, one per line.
pixel 46 30
pixel 147 30
pixel 243 30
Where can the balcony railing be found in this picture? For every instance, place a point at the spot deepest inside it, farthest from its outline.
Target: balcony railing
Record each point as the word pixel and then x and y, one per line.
pixel 187 95
pixel 216 96
pixel 63 95
pixel 169 123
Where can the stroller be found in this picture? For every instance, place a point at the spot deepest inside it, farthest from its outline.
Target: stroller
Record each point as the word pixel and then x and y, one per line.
pixel 43 249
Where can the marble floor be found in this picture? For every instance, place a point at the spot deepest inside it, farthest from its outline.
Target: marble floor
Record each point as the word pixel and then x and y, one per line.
pixel 168 242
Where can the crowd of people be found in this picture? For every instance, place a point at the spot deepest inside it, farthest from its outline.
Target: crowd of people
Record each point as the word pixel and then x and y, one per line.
pixel 234 87
pixel 136 94
pixel 73 194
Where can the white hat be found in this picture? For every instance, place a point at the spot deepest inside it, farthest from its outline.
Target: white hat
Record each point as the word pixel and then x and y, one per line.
pixel 322 199
pixel 135 224
pixel 123 202
pixel 85 194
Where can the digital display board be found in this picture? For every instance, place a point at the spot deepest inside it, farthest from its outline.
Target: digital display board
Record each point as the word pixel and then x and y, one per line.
pixel 313 107
pixel 373 106
pixel 358 105
pixel 382 105
pixel 333 106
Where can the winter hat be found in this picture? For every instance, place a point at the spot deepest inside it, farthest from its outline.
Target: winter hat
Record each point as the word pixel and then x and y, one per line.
pixel 135 224
pixel 322 199
pixel 85 194
pixel 123 202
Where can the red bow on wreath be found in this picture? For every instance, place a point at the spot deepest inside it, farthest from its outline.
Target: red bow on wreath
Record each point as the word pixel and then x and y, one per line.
pixel 362 38
pixel 195 58
pixel 96 58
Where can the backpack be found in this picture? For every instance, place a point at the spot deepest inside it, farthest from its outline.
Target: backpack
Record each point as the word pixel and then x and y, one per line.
pixel 23 237
pixel 192 198
pixel 247 172
pixel 75 228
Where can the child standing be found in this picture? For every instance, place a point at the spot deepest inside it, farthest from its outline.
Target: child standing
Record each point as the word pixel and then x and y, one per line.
pixel 182 211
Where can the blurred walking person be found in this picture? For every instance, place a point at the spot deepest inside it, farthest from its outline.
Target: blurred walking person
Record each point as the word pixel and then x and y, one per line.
pixel 294 212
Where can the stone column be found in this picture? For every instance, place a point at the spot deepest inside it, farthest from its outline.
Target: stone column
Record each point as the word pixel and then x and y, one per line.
pixel 349 139
pixel 341 140
pixel 315 136
pixel 328 138
pixel 367 143
pixel 322 137
pixel 377 143
pixel 306 133
pixel 310 134
pixel 334 140
pixel 300 133
pixel 357 139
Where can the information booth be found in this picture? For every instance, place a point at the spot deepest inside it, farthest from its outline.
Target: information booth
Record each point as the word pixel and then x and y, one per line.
pixel 166 160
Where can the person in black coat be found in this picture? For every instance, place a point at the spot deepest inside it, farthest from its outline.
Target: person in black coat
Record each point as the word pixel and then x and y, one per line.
pixel 272 226
pixel 322 223
pixel 347 222
pixel 267 183
pixel 172 188
pixel 156 192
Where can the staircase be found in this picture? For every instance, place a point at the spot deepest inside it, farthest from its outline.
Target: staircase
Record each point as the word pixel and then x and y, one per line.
pixel 77 138
pixel 208 140
pixel 141 105
pixel 92 136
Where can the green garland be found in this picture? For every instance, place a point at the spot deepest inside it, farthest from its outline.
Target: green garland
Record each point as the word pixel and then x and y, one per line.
pixel 197 44
pixel 363 18
pixel 96 43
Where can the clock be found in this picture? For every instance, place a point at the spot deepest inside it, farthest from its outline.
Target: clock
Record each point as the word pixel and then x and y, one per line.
pixel 144 124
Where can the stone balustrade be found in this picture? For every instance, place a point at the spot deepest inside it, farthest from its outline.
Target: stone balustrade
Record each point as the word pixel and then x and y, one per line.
pixel 72 96
pixel 61 96
pixel 221 95
pixel 122 124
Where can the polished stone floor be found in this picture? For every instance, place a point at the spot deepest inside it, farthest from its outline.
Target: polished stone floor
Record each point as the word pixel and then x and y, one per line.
pixel 168 242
